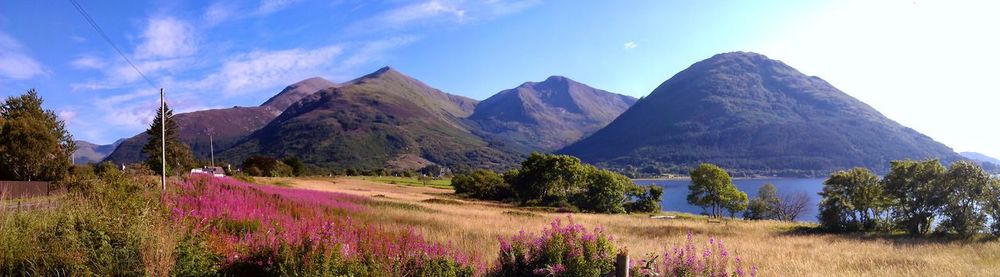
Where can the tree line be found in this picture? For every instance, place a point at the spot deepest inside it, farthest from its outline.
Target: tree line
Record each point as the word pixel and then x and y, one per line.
pixel 918 197
pixel 561 181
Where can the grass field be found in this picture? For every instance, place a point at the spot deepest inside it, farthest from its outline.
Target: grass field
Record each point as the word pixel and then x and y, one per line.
pixel 776 248
pixel 444 183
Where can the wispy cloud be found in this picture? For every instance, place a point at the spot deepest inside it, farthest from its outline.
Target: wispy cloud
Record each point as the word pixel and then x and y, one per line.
pixel 630 45
pixel 433 12
pixel 270 6
pixel 14 62
pixel 88 62
pixel 269 68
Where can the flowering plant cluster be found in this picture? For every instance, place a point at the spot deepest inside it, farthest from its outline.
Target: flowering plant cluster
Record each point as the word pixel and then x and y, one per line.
pixel 289 231
pixel 560 250
pixel 713 260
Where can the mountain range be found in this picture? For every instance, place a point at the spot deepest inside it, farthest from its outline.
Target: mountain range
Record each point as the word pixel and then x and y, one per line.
pixel 87 152
pixel 751 114
pixel 980 157
pixel 746 112
pixel 388 119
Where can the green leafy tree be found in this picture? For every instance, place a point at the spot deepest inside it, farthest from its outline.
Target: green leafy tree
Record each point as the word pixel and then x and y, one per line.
pixel 712 189
pixel 605 191
pixel 482 184
pixel 298 168
pixel 993 206
pixel 917 191
pixel 766 205
pixel 968 192
pixel 547 179
pixel 178 155
pixel 34 143
pixel 735 201
pixel 853 200
pixel 646 199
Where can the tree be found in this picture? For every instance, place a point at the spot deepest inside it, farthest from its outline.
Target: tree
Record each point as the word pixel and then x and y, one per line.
pixel 547 179
pixel 918 193
pixel 34 143
pixel 482 184
pixel 968 192
pixel 646 199
pixel 792 205
pixel 765 205
pixel 712 188
pixel 852 200
pixel 266 167
pixel 605 191
pixel 735 201
pixel 178 154
pixel 993 206
pixel 298 168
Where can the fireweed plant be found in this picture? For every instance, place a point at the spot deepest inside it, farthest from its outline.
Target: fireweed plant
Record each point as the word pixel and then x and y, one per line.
pixel 284 231
pixel 712 260
pixel 559 250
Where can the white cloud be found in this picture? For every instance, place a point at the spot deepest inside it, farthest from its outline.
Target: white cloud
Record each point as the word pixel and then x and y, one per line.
pixel 88 62
pixel 439 12
pixel 67 115
pixel 259 69
pixel 167 38
pixel 218 12
pixel 630 45
pixel 14 63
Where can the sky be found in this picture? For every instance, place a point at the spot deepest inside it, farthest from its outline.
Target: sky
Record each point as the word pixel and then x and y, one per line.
pixel 929 65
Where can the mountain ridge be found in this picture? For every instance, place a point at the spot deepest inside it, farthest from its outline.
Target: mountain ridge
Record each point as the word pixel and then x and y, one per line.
pixel 750 113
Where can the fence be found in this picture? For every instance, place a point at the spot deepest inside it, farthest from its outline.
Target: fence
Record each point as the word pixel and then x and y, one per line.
pixel 26 189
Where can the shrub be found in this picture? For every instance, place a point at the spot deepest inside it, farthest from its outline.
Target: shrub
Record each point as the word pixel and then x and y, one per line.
pixel 560 250
pixel 712 260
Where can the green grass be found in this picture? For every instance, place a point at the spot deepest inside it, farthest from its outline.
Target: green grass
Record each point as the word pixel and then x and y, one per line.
pixel 444 183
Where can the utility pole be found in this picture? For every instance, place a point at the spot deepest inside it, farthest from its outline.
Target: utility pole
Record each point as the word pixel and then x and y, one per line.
pixel 163 142
pixel 211 147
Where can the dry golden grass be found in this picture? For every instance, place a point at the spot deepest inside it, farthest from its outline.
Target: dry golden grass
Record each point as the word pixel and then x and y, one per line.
pixel 475 226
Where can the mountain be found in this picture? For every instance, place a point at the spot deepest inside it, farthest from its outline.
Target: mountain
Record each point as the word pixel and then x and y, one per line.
pixel 545 116
pixel 980 157
pixel 226 126
pixel 87 152
pixel 383 119
pixel 753 115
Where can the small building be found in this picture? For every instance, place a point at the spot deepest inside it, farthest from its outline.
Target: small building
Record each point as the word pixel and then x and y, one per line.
pixel 215 171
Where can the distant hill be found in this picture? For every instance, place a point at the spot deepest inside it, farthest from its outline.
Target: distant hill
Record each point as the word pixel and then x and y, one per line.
pixel 545 116
pixel 753 115
pixel 226 126
pixel 87 152
pixel 383 119
pixel 980 157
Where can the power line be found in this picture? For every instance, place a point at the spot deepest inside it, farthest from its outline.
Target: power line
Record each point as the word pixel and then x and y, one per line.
pixel 100 31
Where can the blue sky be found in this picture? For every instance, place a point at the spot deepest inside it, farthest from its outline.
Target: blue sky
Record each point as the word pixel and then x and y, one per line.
pixel 930 65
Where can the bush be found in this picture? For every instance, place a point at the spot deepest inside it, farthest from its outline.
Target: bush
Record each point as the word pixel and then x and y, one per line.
pixel 482 184
pixel 560 250
pixel 266 167
pixel 105 228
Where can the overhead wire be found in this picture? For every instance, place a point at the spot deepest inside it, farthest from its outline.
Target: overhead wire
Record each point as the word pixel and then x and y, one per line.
pixel 104 35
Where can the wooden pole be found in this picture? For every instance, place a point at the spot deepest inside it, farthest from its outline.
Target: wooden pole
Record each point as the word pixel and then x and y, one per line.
pixel 621 264
pixel 163 142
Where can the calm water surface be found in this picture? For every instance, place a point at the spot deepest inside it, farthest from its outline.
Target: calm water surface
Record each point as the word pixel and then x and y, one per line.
pixel 675 193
